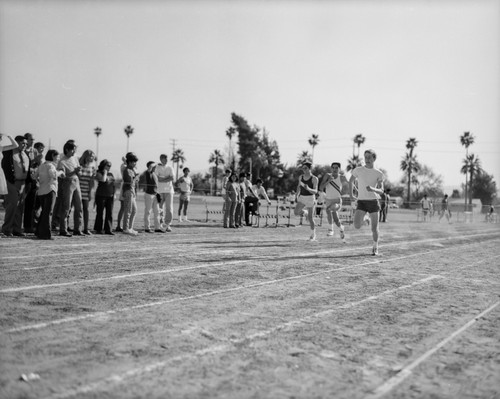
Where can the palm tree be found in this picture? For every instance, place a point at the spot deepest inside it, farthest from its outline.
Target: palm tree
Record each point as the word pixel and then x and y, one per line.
pixel 313 142
pixel 466 140
pixel 409 164
pixel 357 141
pixel 216 158
pixel 472 166
pixel 128 131
pixel 97 132
pixel 353 163
pixel 230 132
pixel 178 158
pixel 304 157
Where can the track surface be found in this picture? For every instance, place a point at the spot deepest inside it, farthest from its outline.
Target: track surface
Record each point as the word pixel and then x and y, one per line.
pixel 254 313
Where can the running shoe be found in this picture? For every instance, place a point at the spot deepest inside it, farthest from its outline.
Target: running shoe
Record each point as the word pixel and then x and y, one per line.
pixel 342 236
pixel 313 236
pixel 130 232
pixel 330 233
pixel 375 251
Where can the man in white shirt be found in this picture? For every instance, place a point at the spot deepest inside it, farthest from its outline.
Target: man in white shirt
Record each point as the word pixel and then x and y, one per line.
pixel 370 187
pixel 165 175
pixel 426 206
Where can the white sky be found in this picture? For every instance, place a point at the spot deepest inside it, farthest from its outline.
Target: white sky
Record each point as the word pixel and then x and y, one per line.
pixel 175 70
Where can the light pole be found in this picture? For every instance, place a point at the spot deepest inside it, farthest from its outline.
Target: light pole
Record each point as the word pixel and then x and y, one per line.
pixel 128 131
pixel 97 132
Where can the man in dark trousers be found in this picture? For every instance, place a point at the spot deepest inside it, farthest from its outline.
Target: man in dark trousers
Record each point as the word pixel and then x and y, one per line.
pixel 16 167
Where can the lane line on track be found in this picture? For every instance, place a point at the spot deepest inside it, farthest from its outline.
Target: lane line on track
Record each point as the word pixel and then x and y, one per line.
pixel 124 377
pixel 148 248
pixel 405 372
pixel 153 272
pixel 121 276
pixel 198 296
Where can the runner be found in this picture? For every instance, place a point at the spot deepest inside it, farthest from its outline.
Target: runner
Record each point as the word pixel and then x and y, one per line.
pixel 306 190
pixel 370 187
pixel 333 185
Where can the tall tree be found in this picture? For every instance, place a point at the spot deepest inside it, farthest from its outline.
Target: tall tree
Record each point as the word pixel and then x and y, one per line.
pixel 128 131
pixel 259 155
pixel 313 142
pixel 178 158
pixel 409 164
pixel 426 181
pixel 216 158
pixel 484 188
pixel 471 166
pixel 304 156
pixel 466 139
pixel 357 141
pixel 353 163
pixel 230 132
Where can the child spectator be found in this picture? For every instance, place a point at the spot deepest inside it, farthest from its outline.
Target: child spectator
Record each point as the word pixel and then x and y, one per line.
pixel 186 187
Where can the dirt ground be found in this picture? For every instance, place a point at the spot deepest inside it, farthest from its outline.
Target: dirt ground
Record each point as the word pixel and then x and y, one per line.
pixel 207 312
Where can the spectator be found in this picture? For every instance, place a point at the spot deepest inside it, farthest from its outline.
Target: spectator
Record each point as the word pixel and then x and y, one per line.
pixel 47 176
pixel 7 143
pixel 16 166
pixel 251 200
pixel 87 176
pixel 119 218
pixel 186 187
pixel 165 175
pixel 130 179
pixel 232 199
pixel 151 202
pixel 104 198
pixel 30 189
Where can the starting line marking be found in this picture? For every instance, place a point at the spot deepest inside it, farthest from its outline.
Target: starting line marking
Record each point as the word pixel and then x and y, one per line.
pixel 406 371
pixel 119 378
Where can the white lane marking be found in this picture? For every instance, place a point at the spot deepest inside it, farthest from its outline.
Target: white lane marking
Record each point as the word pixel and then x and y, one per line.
pixel 121 276
pixel 206 294
pixel 406 371
pixel 148 248
pixel 124 377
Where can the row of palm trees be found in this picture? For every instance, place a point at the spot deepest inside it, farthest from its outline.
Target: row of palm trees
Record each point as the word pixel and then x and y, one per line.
pixel 409 163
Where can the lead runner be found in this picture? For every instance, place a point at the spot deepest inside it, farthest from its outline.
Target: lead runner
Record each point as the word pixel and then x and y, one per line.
pixel 370 187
